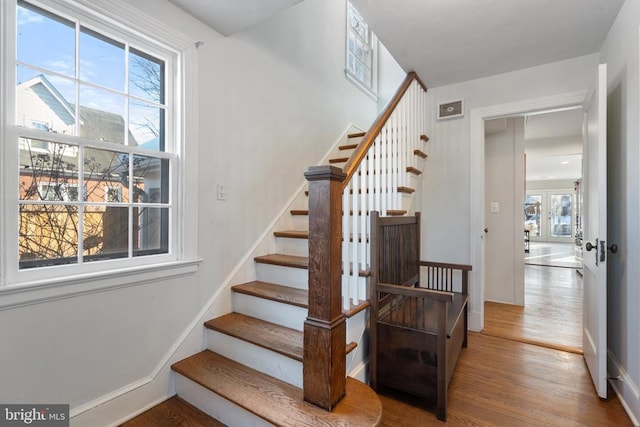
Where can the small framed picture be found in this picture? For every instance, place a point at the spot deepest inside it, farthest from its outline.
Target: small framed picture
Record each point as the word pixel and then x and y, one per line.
pixel 451 109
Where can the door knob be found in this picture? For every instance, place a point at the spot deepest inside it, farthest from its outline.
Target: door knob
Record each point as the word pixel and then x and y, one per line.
pixel 589 246
pixel 613 248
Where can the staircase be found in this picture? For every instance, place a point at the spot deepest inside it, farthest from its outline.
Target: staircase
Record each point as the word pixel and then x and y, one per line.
pixel 252 371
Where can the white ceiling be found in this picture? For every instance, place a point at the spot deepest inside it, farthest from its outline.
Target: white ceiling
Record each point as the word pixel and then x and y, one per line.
pixel 230 16
pixel 448 41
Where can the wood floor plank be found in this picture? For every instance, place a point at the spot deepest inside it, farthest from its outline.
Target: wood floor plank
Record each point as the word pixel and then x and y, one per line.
pixel 173 412
pixel 499 382
pixel 551 316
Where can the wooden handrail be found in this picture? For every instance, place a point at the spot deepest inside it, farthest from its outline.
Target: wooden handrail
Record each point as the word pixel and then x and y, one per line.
pixel 361 150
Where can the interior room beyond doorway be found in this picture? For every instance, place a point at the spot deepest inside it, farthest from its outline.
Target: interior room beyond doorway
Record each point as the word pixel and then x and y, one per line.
pixel 540 302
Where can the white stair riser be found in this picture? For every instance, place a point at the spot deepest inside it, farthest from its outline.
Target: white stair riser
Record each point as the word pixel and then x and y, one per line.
pixel 287 315
pixel 287 276
pixel 216 406
pixel 269 362
pixel 299 247
pixel 300 222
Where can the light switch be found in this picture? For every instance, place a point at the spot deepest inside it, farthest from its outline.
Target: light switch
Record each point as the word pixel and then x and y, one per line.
pixel 495 207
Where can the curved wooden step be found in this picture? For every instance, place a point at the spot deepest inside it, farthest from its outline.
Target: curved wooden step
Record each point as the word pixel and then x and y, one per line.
pixel 275 401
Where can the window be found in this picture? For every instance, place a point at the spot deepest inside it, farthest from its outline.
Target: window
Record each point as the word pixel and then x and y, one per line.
pixel 94 139
pixel 362 45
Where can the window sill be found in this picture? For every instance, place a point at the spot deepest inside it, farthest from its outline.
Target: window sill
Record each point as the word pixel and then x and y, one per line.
pixel 37 292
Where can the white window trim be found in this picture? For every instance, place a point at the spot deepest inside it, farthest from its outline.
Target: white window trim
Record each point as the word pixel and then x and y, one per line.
pixel 372 91
pixel 27 287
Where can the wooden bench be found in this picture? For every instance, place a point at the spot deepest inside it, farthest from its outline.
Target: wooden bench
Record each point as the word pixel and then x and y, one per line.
pixel 418 322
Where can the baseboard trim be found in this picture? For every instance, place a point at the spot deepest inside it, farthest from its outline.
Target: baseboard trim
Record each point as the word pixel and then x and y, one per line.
pixel 476 321
pixel 625 388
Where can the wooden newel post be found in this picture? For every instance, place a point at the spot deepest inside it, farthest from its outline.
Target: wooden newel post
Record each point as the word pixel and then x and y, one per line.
pixel 324 364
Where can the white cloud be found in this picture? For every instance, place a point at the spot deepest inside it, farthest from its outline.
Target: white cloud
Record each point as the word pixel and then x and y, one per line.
pixel 28 17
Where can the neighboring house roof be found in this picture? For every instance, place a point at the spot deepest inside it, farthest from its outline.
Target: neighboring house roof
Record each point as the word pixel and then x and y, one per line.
pixel 94 124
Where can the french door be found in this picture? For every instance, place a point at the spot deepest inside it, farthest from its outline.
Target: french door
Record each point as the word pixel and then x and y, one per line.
pixel 550 215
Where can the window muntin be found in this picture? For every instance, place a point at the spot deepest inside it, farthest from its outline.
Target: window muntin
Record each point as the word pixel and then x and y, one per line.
pixel 361 47
pixel 106 146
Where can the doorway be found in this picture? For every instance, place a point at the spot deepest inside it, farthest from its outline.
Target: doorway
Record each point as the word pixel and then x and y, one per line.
pixel 550 311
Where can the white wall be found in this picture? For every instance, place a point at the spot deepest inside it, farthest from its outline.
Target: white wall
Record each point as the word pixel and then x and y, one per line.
pixel 271 101
pixel 621 53
pixel 447 178
pixel 451 175
pixel 504 186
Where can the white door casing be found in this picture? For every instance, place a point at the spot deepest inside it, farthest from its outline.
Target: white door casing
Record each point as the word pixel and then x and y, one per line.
pixel 595 234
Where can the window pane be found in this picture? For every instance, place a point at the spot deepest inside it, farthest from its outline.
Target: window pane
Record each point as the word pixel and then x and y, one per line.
pixel 561 215
pixel 49 172
pixel 48 235
pixel 151 180
pixel 146 125
pixel 45 99
pixel 45 40
pixel 106 233
pixel 98 54
pixel 106 176
pixel 146 76
pixel 150 235
pixel 102 115
pixel 532 214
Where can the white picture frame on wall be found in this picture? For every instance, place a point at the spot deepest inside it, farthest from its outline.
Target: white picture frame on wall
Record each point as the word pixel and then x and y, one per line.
pixel 451 109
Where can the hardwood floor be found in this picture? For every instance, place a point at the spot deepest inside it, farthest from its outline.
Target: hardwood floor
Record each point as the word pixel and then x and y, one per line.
pixel 500 382
pixel 502 379
pixel 552 315
pixel 173 412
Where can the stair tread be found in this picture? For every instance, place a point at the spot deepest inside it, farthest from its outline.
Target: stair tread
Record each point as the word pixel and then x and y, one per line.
pixel 284 260
pixel 347 147
pixel 293 234
pixel 415 171
pixel 271 336
pixel 420 154
pixel 288 295
pixel 356 135
pixel 276 401
pixel 274 292
pixel 338 160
